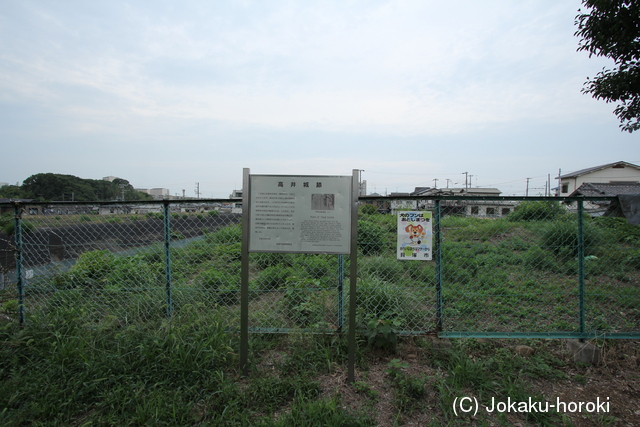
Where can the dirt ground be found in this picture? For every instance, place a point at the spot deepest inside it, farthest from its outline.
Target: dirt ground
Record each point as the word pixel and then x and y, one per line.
pixel 615 381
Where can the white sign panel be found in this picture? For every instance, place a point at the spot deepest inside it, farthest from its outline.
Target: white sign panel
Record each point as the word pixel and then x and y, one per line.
pixel 414 235
pixel 308 214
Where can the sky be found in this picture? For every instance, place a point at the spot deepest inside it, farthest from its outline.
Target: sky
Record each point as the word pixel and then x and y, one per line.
pixel 414 93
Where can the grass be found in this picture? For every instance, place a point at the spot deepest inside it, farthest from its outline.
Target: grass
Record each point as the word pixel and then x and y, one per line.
pixel 98 349
pixel 61 370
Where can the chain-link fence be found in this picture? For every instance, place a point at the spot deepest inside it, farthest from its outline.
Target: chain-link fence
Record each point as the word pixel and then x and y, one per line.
pixel 503 267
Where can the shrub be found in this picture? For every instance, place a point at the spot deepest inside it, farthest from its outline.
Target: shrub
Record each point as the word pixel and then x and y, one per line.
pixel 89 271
pixel 620 228
pixel 385 268
pixel 176 235
pixel 269 259
pixel 224 285
pixel 304 303
pixel 229 234
pixel 315 266
pixel 371 238
pixel 632 259
pixel 367 209
pixel 131 274
pixel 537 257
pixel 422 273
pixel 536 211
pixel 214 213
pixel 214 279
pixel 561 237
pixel 8 225
pixel 229 252
pixel 377 299
pixel 274 277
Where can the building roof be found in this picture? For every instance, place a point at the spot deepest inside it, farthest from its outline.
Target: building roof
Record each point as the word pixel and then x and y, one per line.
pixel 428 191
pixel 597 168
pixel 476 191
pixel 595 189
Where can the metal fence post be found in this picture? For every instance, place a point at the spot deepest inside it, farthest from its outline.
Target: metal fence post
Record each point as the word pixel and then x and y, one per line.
pixel 581 264
pixel 353 274
pixel 167 254
pixel 438 256
pixel 244 279
pixel 340 292
pixel 17 235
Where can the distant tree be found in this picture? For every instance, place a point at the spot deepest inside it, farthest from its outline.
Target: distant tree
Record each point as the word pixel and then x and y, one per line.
pixel 611 28
pixel 11 192
pixel 50 186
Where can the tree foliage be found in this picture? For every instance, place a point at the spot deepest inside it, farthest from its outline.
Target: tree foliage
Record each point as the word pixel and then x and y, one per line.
pixel 51 186
pixel 611 28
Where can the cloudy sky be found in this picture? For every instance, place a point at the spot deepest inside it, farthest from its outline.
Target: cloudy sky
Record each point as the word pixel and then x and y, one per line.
pixel 170 94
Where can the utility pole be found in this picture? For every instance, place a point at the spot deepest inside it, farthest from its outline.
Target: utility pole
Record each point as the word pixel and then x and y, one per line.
pixel 435 183
pixel 466 176
pixel 197 190
pixel 527 192
pixel 448 181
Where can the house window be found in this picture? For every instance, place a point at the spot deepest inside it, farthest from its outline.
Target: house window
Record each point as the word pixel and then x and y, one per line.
pixel 475 210
pixel 491 211
pixel 565 188
pixel 505 211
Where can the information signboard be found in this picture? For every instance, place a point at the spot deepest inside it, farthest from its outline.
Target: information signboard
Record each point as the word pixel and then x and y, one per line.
pixel 414 235
pixel 300 214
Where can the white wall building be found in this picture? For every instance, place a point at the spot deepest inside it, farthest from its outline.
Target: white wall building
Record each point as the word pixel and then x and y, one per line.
pixel 159 193
pixel 611 173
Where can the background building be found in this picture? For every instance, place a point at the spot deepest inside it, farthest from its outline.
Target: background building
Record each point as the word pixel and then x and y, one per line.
pixel 611 173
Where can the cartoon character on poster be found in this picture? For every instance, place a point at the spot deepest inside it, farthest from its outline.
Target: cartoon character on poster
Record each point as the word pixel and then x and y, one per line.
pixel 414 235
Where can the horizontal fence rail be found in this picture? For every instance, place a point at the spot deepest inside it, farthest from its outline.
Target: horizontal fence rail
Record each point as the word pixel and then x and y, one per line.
pixel 501 267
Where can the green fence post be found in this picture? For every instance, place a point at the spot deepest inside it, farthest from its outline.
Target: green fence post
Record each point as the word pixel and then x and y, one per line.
pixel 438 257
pixel 167 255
pixel 17 235
pixel 244 278
pixel 353 274
pixel 581 264
pixel 340 292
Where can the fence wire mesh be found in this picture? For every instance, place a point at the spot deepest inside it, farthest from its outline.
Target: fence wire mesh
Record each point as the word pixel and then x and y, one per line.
pixel 500 267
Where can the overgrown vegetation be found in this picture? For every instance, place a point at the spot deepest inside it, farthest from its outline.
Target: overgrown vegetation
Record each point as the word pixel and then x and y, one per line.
pixel 100 349
pixel 59 370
